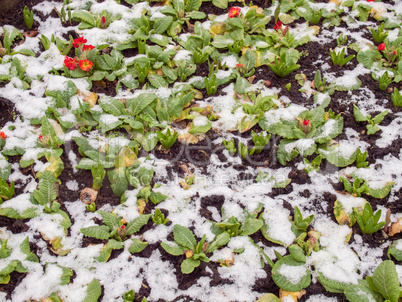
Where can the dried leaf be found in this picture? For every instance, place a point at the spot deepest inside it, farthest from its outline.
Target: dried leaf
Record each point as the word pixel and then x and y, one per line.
pixel 395 227
pixel 378 11
pixel 189 138
pixel 217 28
pixel 294 295
pixel 88 195
pixel 141 205
pixel 89 97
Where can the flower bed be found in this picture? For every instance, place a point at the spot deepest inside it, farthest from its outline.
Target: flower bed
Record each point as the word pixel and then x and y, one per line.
pixel 200 151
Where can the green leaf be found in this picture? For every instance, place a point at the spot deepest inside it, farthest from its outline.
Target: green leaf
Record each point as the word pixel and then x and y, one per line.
pixel 188 265
pixel 10 33
pixel 173 249
pixel 297 253
pixel 46 192
pixel 269 297
pixel 10 213
pixel 361 293
pixel 381 192
pixel 150 141
pixel 332 285
pixel 108 248
pixel 94 290
pixel 157 81
pixel 386 280
pixel 184 237
pixel 135 225
pixel 219 241
pixel 220 3
pixel 85 16
pixel 137 246
pixel 109 219
pixel 396 253
pixel 250 226
pixel 112 106
pixel 138 104
pixel 359 117
pixel 27 251
pixel 162 24
pixel 118 180
pixel 291 285
pixel 98 232
pixel 193 5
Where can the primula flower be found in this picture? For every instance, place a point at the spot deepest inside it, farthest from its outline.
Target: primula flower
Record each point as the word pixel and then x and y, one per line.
pixel 381 46
pixel 234 12
pixel 278 25
pixel 370 0
pixel 85 65
pixel 103 22
pixel 306 122
pixel 87 47
pixel 70 63
pixel 239 65
pixel 79 41
pixel 3 135
pixel 40 137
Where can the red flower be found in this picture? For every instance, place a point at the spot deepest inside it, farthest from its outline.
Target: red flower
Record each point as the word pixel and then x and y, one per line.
pixel 394 52
pixel 87 47
pixel 381 46
pixel 123 227
pixel 306 122
pixel 370 0
pixel 85 65
pixel 40 137
pixel 234 12
pixel 239 65
pixel 3 135
pixel 278 25
pixel 79 41
pixel 70 63
pixel 103 19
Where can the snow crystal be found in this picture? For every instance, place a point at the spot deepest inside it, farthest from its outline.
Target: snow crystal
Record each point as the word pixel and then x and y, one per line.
pixel 294 274
pixel 349 202
pixel 279 226
pixel 72 185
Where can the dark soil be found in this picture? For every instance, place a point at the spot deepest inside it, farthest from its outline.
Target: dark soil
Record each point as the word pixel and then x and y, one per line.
pixel 186 157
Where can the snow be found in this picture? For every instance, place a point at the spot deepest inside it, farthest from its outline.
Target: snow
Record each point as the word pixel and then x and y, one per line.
pixel 340 258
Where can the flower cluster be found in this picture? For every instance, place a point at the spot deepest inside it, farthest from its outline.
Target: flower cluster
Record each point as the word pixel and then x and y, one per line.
pixel 83 63
pixel 278 25
pixel 234 12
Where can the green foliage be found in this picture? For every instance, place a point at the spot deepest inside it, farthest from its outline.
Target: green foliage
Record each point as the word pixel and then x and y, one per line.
pixel 260 141
pixel 114 228
pixel 168 138
pixel 383 285
pixel 338 58
pixel 361 159
pixel 28 17
pixel 94 290
pixel 4 250
pixel 314 165
pixel 368 222
pixel 379 35
pixel 372 122
pixel 321 84
pixel 384 81
pixel 211 84
pixel 230 146
pixel 13 265
pixel 98 174
pixel 10 34
pixel 397 98
pixel 6 191
pixel 283 281
pixel 236 228
pixel 185 243
pixel 285 64
pixel 159 218
pixel 300 225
